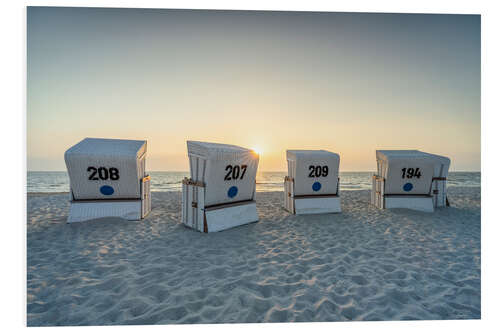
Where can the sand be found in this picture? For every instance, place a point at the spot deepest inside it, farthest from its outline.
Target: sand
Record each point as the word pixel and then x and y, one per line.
pixel 362 264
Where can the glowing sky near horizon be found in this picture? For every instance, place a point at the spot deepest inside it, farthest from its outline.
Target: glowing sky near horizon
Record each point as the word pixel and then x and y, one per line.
pixel 345 82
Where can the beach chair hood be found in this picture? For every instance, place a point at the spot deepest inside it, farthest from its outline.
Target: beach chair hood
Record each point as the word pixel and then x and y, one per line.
pixel 106 168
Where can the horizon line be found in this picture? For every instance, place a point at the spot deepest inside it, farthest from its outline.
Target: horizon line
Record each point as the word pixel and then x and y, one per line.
pixel 257 171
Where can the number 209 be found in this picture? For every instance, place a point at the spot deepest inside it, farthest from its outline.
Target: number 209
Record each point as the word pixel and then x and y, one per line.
pixel 318 171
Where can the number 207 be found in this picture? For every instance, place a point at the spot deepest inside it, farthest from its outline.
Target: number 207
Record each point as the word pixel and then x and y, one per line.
pixel 233 172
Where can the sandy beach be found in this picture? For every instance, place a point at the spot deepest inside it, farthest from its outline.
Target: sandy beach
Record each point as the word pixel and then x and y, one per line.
pixel 362 264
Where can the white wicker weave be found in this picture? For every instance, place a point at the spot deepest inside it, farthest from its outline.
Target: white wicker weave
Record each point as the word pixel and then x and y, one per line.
pixel 227 171
pixel 128 157
pixel 303 166
pixel 108 179
pixel 410 179
pixel 391 164
pixel 311 186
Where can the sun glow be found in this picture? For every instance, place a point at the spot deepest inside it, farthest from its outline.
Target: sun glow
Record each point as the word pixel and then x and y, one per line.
pixel 257 150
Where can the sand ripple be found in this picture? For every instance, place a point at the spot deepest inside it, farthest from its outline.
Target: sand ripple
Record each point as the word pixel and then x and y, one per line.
pixel 363 264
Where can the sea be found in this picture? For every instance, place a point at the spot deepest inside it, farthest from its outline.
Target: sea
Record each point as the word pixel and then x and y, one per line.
pixel 164 181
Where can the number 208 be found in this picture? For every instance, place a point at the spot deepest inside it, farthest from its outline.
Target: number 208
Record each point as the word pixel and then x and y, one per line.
pixel 102 173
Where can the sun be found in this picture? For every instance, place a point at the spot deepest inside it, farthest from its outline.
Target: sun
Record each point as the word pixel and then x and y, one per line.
pixel 257 150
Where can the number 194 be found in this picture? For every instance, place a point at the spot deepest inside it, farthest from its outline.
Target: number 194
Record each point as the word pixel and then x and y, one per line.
pixel 411 172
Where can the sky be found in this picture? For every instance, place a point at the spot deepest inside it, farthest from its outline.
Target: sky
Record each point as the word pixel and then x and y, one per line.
pixel 349 83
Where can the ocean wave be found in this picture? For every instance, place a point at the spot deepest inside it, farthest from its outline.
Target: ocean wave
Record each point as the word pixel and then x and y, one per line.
pixel 266 181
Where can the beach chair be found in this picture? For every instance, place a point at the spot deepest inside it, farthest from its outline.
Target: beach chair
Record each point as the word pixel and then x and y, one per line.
pixel 108 179
pixel 410 179
pixel 312 183
pixel 221 191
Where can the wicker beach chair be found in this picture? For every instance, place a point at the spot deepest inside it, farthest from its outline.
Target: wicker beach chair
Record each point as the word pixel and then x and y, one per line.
pixel 410 179
pixel 221 191
pixel 312 183
pixel 108 179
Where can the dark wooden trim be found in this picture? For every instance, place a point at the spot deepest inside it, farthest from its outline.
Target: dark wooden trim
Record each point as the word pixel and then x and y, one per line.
pixel 312 196
pixel 438 178
pixel 143 154
pixel 407 195
pixel 227 205
pixel 205 225
pixel 106 200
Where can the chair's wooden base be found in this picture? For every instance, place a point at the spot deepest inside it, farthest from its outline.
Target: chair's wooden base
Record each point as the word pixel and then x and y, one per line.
pixel 222 218
pixel 317 205
pixel 89 210
pixel 423 203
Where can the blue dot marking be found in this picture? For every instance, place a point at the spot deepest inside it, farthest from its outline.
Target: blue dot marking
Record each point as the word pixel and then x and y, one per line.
pixel 233 190
pixel 408 187
pixel 107 190
pixel 316 186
